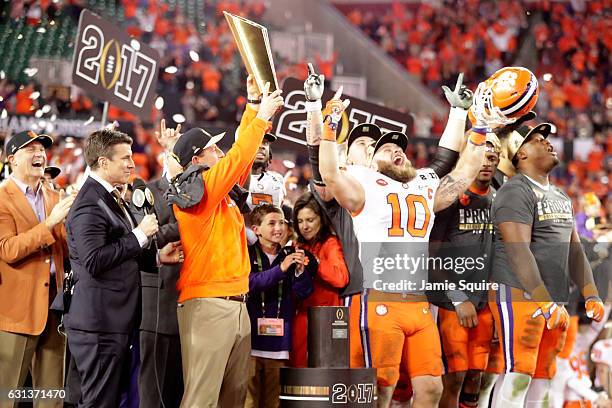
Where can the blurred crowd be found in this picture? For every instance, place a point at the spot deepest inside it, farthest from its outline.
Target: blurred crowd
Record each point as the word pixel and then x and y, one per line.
pixel 434 40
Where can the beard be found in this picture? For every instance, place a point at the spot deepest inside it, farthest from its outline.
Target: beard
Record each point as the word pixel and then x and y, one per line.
pixel 402 174
pixel 260 164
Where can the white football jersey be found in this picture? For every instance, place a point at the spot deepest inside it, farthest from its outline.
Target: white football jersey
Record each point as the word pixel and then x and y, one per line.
pixel 395 211
pixel 267 187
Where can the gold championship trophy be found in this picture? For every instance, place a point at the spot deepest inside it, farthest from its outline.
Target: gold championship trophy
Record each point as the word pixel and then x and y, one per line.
pixel 254 46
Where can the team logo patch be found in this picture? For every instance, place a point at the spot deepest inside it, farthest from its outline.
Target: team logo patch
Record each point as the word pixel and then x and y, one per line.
pixel 381 310
pixel 32 134
pixel 381 182
pixel 465 200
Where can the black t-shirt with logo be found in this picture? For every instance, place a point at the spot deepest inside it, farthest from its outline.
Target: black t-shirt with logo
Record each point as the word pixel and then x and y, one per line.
pixel 465 230
pixel 549 212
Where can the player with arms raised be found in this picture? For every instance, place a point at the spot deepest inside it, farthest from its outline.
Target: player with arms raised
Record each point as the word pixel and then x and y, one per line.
pixel 396 203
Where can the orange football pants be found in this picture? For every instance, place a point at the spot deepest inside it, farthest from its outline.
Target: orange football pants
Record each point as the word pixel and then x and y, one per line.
pixel 465 348
pixel 528 346
pixel 391 332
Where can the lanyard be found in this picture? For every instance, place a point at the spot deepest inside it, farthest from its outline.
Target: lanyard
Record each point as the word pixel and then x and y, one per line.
pixel 263 293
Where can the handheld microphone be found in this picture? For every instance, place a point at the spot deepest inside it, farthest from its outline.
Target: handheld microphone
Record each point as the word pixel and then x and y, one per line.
pixel 143 199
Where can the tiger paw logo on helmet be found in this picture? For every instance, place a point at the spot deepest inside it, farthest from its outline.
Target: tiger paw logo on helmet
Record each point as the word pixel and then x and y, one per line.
pixel 514 90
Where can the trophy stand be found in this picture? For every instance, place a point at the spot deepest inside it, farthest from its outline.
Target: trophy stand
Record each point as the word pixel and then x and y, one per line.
pixel 328 381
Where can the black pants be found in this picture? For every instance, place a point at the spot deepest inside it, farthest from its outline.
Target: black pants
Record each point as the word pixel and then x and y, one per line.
pixel 100 359
pixel 167 358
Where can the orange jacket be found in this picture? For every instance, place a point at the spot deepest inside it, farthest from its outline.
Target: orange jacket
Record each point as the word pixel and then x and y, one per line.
pixel 26 247
pixel 213 233
pixel 331 277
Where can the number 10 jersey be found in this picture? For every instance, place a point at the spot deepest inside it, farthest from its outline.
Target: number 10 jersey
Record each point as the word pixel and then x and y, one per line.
pixel 394 211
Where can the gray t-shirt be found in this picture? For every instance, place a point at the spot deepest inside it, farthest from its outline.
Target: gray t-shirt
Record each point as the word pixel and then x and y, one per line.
pixel 549 212
pixel 465 231
pixel 343 226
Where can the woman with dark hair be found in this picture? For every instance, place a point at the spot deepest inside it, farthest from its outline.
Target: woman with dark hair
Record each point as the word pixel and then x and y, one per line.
pixel 315 234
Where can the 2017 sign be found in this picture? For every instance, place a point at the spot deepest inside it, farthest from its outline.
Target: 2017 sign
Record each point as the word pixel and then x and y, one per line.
pixel 290 123
pixel 112 66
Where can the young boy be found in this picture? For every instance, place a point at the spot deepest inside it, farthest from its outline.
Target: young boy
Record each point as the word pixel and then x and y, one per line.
pixel 277 276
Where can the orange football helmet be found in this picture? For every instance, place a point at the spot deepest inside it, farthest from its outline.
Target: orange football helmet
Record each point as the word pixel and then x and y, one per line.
pixel 512 92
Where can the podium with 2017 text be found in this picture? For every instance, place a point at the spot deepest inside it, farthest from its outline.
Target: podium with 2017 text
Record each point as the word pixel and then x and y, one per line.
pixel 328 381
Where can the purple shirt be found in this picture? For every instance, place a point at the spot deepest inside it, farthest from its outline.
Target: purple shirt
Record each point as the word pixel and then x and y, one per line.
pixel 37 202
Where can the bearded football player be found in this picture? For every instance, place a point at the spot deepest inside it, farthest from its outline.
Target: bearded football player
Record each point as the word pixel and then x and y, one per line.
pixel 395 203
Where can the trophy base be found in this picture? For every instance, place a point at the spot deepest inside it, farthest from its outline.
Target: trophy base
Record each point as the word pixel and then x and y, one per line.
pixel 327 387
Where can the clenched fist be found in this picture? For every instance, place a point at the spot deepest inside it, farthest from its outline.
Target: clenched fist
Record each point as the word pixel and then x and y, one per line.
pixel 270 103
pixel 149 225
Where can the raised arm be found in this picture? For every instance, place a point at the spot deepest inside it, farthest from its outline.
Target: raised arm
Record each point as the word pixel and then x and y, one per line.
pixel 457 181
pixel 342 186
pixel 452 139
pixel 313 90
pixel 254 98
pixel 221 178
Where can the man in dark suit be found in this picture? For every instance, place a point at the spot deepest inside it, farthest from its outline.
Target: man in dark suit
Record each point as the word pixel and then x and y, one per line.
pixel 160 346
pixel 104 243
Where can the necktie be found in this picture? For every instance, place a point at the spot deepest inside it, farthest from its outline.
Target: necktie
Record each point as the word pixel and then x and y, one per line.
pixel 117 195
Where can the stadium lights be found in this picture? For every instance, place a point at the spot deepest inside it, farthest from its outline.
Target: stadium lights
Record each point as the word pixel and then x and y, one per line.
pixel 159 103
pixel 30 71
pixel 135 44
pixel 178 118
pixel 34 95
pixel 547 77
pixel 195 57
pixel 89 121
pixel 171 70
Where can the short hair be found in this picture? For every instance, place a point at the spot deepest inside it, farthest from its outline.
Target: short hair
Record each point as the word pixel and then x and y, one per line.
pixel 100 144
pixel 308 200
pixel 259 212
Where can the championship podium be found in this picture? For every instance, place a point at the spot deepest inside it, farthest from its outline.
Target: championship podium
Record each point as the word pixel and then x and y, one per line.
pixel 328 381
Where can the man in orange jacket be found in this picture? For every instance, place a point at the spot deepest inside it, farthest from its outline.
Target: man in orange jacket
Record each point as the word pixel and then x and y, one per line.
pixel 32 252
pixel 213 319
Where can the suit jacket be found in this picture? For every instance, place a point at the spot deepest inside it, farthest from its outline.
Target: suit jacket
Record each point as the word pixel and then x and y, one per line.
pixel 165 281
pixel 104 258
pixel 26 248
